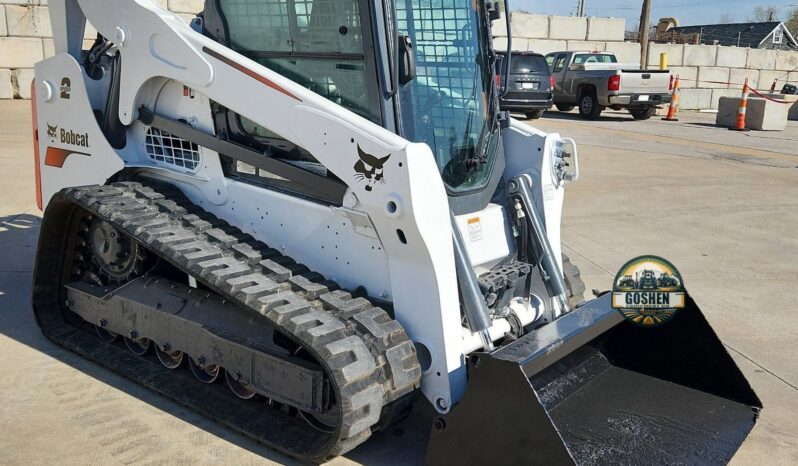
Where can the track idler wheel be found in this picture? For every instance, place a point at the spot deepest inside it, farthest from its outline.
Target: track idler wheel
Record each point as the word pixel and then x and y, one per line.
pixel 137 346
pixel 203 373
pixel 240 389
pixel 105 335
pixel 169 358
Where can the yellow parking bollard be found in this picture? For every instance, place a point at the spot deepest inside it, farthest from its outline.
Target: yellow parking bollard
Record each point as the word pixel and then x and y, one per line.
pixel 663 61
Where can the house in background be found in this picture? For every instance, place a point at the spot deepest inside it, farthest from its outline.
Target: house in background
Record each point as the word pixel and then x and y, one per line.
pixel 768 35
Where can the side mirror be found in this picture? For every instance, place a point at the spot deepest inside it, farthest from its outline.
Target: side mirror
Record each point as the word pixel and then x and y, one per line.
pixel 493 10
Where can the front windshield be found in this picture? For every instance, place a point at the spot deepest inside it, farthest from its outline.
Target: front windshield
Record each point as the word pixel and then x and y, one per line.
pixel 450 105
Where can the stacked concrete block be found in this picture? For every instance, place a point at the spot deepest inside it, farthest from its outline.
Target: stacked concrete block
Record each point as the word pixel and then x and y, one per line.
pixel 732 57
pixel 48 47
pixel 688 76
pixel 738 76
pixel 712 77
pixel 675 54
pixel 700 55
pixel 581 45
pixel 544 47
pixel 28 21
pixel 766 78
pixel 185 6
pixel 3 24
pixel 792 107
pixel 606 29
pixel 20 52
pixel 626 52
pixel 718 94
pixel 21 81
pixel 499 27
pixel 6 89
pixel 761 114
pixel 786 60
pixel 519 44
pixel 761 59
pixel 529 26
pixel 695 99
pixel 567 27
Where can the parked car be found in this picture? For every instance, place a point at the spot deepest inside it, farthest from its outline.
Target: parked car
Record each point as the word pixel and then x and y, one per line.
pixel 594 81
pixel 529 89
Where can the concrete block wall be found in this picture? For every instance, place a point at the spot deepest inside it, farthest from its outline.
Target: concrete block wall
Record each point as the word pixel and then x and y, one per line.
pixel 707 72
pixel 26 38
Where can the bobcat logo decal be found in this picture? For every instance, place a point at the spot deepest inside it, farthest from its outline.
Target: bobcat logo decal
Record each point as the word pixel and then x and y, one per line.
pixel 51 130
pixel 369 168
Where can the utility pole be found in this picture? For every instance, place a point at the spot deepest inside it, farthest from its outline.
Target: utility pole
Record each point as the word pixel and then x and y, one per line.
pixel 580 9
pixel 643 34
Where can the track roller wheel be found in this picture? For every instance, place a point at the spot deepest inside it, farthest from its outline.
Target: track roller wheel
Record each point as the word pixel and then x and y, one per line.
pixel 105 335
pixel 137 346
pixel 205 374
pixel 170 359
pixel 241 390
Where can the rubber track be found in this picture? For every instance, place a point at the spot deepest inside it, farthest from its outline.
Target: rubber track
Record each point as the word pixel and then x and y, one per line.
pixel 368 355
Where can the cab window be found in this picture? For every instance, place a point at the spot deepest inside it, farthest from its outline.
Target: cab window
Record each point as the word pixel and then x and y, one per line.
pixel 582 58
pixel 316 43
pixel 559 64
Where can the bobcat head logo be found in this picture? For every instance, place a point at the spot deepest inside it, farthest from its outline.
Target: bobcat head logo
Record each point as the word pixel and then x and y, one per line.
pixel 369 168
pixel 51 130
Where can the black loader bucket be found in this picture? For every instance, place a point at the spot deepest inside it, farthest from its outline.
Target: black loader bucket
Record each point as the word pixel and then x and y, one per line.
pixel 591 388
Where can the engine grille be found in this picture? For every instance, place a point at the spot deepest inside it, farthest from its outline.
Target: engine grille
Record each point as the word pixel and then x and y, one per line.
pixel 171 150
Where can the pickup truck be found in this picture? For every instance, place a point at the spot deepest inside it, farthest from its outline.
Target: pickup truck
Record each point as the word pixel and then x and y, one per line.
pixel 594 81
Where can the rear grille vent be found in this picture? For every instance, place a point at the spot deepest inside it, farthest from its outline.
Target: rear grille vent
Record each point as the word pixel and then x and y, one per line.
pixel 171 150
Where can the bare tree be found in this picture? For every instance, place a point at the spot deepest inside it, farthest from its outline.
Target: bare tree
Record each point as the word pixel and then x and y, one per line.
pixel 762 14
pixel 792 22
pixel 726 18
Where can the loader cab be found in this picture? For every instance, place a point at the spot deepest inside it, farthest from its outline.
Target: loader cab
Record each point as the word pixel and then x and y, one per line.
pixel 420 68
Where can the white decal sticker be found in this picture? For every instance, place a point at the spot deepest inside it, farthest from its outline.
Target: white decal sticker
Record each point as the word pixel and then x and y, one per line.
pixel 474 229
pixel 548 192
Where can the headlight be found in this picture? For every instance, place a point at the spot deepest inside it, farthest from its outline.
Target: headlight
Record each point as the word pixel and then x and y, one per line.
pixel 565 161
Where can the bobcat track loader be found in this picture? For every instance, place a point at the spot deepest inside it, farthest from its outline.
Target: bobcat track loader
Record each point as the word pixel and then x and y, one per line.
pixel 299 217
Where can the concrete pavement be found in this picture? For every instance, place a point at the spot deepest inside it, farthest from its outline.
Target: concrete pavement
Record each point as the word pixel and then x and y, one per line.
pixel 720 205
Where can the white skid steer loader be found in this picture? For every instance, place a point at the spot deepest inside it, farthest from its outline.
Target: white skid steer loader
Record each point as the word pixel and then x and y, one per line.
pixel 318 204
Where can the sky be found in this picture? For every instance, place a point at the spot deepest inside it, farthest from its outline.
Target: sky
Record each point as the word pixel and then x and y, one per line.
pixel 687 12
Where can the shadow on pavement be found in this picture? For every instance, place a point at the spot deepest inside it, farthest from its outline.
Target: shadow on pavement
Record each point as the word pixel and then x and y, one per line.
pixel 404 443
pixel 705 125
pixel 557 115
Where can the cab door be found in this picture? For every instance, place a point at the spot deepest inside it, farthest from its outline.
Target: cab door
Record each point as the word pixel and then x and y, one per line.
pixel 559 67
